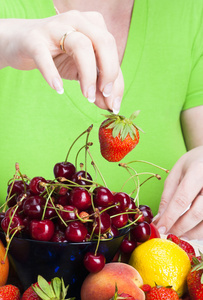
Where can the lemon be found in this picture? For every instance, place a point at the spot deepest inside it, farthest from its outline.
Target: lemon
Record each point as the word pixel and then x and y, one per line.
pixel 162 262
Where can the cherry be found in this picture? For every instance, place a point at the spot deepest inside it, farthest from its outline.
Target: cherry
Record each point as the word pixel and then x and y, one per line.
pixel 128 245
pixel 80 198
pixel 2 215
pixel 63 191
pixel 12 211
pixel 80 177
pixel 103 223
pixel 139 217
pixel 120 219
pixel 35 185
pixel 26 224
pixel 132 205
pixel 64 199
pixel 50 211
pixel 94 262
pixel 76 232
pixel 42 230
pixel 147 213
pixel 123 200
pixel 12 223
pixel 113 232
pixel 67 213
pixel 14 189
pixel 64 169
pixel 59 237
pixel 102 196
pixel 141 232
pixel 33 207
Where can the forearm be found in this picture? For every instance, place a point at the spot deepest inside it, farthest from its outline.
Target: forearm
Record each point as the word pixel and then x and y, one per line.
pixel 192 126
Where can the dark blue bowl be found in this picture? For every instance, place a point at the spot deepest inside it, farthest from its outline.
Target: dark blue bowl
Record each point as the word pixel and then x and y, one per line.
pixel 31 258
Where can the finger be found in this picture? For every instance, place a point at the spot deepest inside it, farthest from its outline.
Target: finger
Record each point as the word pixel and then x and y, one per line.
pixel 113 102
pixel 180 201
pixel 44 62
pixel 194 214
pixel 170 186
pixel 106 53
pixel 195 233
pixel 80 48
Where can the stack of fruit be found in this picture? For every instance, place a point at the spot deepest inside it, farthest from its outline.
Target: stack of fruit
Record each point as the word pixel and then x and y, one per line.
pixel 74 208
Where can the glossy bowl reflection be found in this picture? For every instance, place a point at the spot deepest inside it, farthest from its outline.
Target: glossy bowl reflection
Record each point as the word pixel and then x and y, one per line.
pixel 31 258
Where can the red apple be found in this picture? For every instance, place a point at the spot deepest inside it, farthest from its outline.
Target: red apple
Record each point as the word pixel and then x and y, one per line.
pixel 154 231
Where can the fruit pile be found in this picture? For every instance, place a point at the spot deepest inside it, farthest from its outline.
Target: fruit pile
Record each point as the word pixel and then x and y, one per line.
pixel 74 208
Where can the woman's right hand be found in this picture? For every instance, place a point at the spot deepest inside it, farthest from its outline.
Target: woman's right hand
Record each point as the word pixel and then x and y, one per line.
pixel 90 56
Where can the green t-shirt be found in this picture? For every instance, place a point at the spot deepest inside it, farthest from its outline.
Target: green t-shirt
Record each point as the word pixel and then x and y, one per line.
pixel 163 74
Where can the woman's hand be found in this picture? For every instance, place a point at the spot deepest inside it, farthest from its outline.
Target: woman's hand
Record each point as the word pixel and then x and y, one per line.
pixel 90 55
pixel 181 207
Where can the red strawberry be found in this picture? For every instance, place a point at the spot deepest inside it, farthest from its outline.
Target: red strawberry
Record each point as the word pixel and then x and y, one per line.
pixel 146 288
pixel 162 293
pixel 9 292
pixel 55 289
pixel 30 294
pixel 118 136
pixel 173 238
pixel 195 281
pixel 183 244
pixel 187 247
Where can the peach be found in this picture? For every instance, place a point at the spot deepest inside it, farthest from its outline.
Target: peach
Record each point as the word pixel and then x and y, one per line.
pixel 101 285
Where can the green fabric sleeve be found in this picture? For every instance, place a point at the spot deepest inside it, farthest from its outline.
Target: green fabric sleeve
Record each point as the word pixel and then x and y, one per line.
pixel 194 95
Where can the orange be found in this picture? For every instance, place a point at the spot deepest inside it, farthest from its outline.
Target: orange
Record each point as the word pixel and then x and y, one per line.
pixel 4 265
pixel 162 262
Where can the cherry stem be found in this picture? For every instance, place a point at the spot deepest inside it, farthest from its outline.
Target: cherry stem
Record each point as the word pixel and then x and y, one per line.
pixel 11 219
pixel 76 157
pixel 86 147
pixel 21 175
pixel 86 131
pixel 137 183
pixel 9 239
pixel 146 162
pixel 99 236
pixel 131 223
pixel 153 176
pixel 47 200
pixel 96 167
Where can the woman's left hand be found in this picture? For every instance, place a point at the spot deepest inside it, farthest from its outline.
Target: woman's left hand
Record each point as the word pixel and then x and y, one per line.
pixel 181 207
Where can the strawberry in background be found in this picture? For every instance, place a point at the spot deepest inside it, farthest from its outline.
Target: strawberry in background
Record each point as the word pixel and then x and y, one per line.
pixel 187 247
pixel 9 292
pixel 161 293
pixel 195 280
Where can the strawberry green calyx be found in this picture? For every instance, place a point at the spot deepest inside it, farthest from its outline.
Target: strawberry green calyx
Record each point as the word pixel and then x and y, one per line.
pixel 121 125
pixel 121 296
pixel 55 290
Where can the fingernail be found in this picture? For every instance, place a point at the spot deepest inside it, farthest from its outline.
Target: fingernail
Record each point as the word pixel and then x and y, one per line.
pixel 162 230
pixel 107 89
pixel 57 86
pixel 91 94
pixel 116 105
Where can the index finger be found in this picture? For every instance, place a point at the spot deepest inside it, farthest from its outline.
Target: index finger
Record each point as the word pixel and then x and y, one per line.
pixel 185 194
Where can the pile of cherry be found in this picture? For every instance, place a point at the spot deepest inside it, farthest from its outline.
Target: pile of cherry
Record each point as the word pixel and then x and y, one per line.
pixel 72 208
